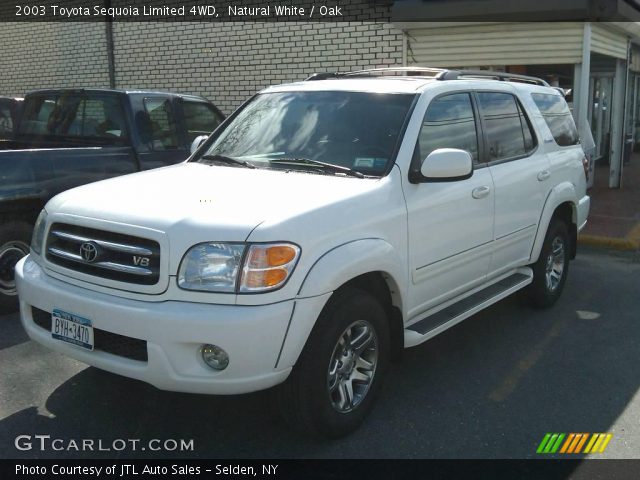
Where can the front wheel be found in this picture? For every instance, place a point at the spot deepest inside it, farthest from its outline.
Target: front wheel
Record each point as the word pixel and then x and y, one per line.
pixel 333 386
pixel 551 270
pixel 14 244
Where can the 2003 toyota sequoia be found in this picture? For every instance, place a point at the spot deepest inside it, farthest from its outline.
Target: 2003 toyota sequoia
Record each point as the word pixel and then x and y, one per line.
pixel 322 228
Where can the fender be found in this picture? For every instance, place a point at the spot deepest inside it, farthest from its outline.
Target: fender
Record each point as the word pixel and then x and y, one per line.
pixel 561 193
pixel 335 268
pixel 350 260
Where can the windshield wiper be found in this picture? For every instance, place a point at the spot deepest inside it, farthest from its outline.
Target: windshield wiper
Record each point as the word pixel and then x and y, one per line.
pixel 330 167
pixel 228 160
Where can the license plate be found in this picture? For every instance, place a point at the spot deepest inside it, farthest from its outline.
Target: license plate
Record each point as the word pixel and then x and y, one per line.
pixel 71 328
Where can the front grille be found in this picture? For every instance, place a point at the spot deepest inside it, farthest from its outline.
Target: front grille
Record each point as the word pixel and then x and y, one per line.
pixel 110 255
pixel 108 342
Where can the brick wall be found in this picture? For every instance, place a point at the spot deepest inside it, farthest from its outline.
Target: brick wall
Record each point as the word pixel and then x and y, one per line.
pixel 228 62
pixel 47 55
pixel 225 62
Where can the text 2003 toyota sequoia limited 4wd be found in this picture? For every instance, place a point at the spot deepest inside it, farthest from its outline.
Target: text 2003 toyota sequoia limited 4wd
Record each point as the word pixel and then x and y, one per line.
pixel 322 228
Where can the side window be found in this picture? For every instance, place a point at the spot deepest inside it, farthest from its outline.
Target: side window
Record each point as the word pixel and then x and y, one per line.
pixel 556 114
pixel 6 121
pixel 162 129
pixel 508 130
pixel 448 123
pixel 200 119
pixel 103 117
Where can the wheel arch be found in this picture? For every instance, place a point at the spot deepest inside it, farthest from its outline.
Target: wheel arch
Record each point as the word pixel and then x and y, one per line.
pixel 561 203
pixel 371 265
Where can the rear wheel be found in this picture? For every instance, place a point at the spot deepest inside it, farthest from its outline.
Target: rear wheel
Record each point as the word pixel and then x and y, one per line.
pixel 551 270
pixel 14 244
pixel 333 386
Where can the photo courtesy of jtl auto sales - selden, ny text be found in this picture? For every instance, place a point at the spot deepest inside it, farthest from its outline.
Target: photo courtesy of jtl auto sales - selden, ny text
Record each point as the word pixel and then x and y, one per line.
pixel 320 239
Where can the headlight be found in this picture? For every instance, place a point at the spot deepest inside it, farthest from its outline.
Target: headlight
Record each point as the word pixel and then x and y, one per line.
pixel 212 267
pixel 236 267
pixel 37 239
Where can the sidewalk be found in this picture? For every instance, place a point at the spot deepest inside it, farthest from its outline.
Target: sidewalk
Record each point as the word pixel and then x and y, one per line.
pixel 614 219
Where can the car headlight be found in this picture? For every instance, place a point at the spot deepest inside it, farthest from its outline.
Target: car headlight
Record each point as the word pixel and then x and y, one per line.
pixel 37 239
pixel 237 267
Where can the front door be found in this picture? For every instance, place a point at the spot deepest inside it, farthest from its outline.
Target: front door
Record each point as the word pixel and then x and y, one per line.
pixel 450 222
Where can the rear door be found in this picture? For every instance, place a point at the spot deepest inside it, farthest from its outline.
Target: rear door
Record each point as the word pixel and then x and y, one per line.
pixel 520 172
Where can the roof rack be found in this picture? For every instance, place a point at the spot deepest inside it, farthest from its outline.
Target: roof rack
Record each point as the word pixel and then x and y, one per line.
pixel 503 76
pixel 379 72
pixel 434 73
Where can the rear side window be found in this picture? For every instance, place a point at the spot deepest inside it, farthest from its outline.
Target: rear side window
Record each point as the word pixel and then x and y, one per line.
pixel 200 119
pixel 508 130
pixel 556 114
pixel 163 131
pixel 448 123
pixel 72 115
pixel 6 120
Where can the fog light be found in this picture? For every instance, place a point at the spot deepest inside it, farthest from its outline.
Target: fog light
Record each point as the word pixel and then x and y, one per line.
pixel 215 357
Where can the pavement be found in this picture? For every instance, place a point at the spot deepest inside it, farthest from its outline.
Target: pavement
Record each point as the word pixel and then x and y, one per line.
pixel 491 387
pixel 614 218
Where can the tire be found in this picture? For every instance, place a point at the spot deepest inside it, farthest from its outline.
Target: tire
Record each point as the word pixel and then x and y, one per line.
pixel 14 244
pixel 312 400
pixel 551 270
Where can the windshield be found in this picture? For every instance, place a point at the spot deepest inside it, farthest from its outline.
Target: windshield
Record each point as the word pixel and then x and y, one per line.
pixel 74 115
pixel 356 130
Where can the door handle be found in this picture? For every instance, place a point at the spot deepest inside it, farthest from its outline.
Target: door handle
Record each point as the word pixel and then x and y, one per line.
pixel 543 175
pixel 480 192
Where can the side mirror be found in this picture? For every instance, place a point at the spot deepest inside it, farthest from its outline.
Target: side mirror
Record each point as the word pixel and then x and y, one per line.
pixel 197 142
pixel 447 164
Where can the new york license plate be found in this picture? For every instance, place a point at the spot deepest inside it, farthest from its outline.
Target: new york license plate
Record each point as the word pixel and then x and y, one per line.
pixel 72 328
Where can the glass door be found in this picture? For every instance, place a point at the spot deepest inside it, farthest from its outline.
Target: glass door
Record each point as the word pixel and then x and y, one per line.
pixel 601 95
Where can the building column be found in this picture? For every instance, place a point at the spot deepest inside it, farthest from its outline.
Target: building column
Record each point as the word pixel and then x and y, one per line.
pixel 617 123
pixel 581 75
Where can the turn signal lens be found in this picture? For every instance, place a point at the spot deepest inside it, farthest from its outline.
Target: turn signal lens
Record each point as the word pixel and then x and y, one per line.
pixel 268 266
pixel 275 256
pixel 265 278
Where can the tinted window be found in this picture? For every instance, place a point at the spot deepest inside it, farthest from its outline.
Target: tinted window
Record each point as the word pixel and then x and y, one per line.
pixel 448 123
pixel 162 129
pixel 200 119
pixel 358 130
pixel 555 112
pixel 6 122
pixel 74 115
pixel 508 131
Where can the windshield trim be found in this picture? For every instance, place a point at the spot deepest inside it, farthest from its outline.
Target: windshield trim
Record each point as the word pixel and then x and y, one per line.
pixel 195 157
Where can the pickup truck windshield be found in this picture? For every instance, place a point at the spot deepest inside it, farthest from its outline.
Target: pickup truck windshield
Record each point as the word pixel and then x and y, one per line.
pixel 292 130
pixel 74 115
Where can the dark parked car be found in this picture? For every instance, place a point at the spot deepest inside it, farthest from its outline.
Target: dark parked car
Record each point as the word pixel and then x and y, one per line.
pixel 67 138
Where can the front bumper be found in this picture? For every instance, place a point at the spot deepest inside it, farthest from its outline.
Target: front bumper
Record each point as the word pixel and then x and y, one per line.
pixel 174 331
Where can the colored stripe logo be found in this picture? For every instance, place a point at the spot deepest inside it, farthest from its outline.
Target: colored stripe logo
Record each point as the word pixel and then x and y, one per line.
pixel 574 443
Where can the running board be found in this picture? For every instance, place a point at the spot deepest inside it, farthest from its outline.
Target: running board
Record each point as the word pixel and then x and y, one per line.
pixel 463 308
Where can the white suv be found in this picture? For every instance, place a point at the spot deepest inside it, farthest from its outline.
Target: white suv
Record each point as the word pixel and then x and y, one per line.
pixel 324 227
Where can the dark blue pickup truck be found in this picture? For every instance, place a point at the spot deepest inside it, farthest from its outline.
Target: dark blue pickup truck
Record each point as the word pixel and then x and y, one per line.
pixel 65 138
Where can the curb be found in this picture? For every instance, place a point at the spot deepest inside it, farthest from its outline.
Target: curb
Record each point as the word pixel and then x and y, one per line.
pixel 630 242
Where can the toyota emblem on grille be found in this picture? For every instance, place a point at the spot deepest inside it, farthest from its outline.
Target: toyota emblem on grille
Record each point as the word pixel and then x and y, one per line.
pixel 89 252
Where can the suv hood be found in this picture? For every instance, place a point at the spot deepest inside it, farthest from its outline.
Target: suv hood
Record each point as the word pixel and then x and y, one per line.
pixel 200 203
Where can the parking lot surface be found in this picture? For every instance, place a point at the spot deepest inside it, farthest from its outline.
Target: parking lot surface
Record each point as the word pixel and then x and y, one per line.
pixel 490 387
